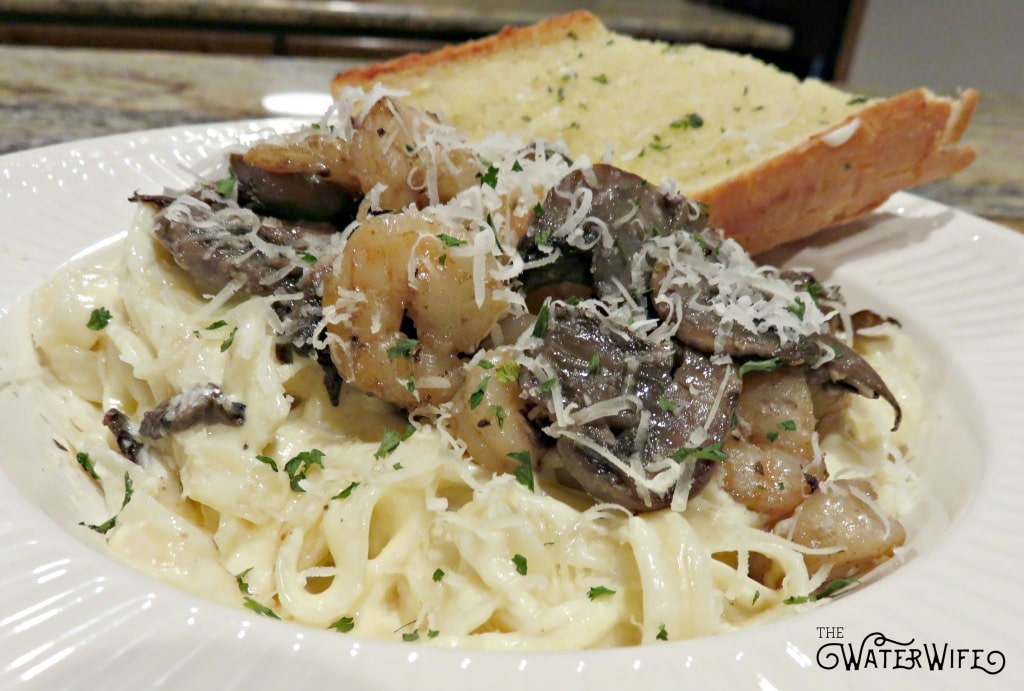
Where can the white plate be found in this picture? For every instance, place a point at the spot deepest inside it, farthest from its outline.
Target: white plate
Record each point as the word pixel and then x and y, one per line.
pixel 71 617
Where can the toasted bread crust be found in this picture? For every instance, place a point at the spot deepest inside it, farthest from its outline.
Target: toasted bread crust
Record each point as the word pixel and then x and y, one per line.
pixel 579 23
pixel 901 142
pixel 834 175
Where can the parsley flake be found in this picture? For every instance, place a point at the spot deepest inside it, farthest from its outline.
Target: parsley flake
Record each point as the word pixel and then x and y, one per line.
pixel 524 473
pixel 711 452
pixel 259 608
pixel 347 492
pixel 520 561
pixel 105 527
pixel 268 460
pixel 403 347
pixel 219 324
pixel 414 635
pixel 391 441
pixel 243 586
pixel 594 366
pixel 229 340
pixel 84 461
pixel 299 466
pixel 438 575
pixel 601 78
pixel 99 319
pixel 688 121
pixel 226 186
pixel 667 404
pixel 450 241
pixel 541 325
pixel 760 365
pixel 798 308
pixel 499 415
pixel 343 625
pixel 477 397
pixel 599 591
pixel 662 633
pixel 490 177
pixel 507 372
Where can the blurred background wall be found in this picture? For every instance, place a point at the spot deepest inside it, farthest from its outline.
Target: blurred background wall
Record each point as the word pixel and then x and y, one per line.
pixel 945 44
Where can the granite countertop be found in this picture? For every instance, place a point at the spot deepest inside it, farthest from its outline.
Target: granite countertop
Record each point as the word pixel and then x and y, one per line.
pixel 50 95
pixel 677 20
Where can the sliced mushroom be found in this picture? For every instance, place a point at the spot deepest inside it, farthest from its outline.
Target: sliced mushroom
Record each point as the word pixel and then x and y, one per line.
pixel 290 187
pixel 608 249
pixel 631 406
pixel 203 404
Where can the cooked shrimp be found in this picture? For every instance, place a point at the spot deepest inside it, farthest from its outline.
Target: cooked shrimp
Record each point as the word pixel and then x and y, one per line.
pixel 403 305
pixel 765 469
pixel 412 154
pixel 488 415
pixel 768 481
pixel 404 152
pixel 843 515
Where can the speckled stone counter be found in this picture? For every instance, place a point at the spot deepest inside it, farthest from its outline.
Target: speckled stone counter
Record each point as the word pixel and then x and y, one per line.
pixel 52 95
pixel 677 20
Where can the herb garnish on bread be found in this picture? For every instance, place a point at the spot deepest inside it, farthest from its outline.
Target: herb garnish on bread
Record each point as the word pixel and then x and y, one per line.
pixel 775 158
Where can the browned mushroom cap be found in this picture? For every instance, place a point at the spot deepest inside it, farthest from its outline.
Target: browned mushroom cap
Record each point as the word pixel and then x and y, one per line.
pixel 851 372
pixel 660 406
pixel 291 187
pixel 625 210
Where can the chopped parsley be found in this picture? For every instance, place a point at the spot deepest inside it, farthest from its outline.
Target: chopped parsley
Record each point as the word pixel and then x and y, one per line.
pixel 490 177
pixel 219 324
pixel 243 585
pixel 268 460
pixel 343 625
pixel 662 633
pixel 403 347
pixel 601 78
pixel 259 608
pixel 507 372
pixel 499 415
pixel 104 527
pixel 667 404
pixel 299 466
pixel 757 596
pixel 410 383
pixel 760 365
pixel 413 635
pixel 594 366
pixel 477 397
pixel 450 241
pixel 391 441
pixel 599 591
pixel 787 425
pixel 711 452
pixel 86 463
pixel 524 473
pixel 99 319
pixel 541 325
pixel 308 258
pixel 830 589
pixel 486 364
pixel 547 385
pixel 432 633
pixel 688 121
pixel 520 561
pixel 229 340
pixel 226 186
pixel 438 575
pixel 347 492
pixel 798 308
pixel 772 436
